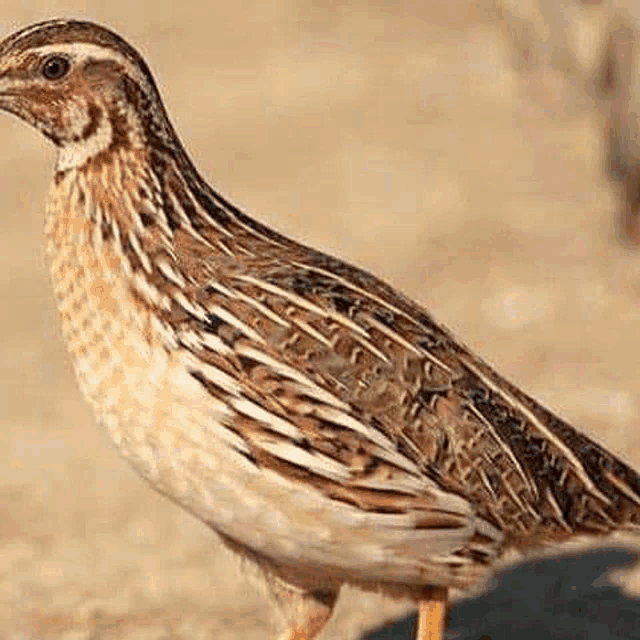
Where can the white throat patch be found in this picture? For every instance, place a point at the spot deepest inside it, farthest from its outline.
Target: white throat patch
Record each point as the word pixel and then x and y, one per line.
pixel 76 154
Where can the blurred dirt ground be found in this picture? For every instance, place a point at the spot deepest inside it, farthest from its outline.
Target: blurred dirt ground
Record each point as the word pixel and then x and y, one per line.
pixel 396 135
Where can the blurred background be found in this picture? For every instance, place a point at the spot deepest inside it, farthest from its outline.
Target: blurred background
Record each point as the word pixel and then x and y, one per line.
pixel 478 155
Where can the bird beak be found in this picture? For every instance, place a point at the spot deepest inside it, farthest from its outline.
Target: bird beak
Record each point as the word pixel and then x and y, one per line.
pixel 9 99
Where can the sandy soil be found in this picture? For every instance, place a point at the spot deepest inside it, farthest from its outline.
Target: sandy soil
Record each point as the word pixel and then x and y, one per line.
pixel 398 138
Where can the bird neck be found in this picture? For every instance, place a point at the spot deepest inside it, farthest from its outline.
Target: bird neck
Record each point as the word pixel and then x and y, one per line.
pixel 134 217
pixel 163 230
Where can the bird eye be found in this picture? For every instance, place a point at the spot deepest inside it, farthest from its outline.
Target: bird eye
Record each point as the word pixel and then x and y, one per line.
pixel 55 67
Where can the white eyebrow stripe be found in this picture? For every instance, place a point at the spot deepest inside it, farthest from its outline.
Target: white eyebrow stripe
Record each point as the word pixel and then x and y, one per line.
pixel 87 50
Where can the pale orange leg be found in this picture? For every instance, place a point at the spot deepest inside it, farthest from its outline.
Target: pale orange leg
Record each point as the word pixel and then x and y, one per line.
pixel 307 612
pixel 432 613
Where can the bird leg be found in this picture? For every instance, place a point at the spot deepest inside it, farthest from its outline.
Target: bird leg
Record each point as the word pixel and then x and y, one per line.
pixel 432 612
pixel 306 611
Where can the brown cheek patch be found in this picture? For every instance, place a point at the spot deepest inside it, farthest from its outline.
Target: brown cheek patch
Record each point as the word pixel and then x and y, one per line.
pixel 98 73
pixel 95 115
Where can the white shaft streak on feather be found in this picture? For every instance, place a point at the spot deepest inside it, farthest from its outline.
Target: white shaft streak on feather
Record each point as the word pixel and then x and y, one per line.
pixel 261 308
pixel 225 249
pixel 218 411
pixel 516 498
pixel 372 348
pixel 115 178
pixel 506 449
pixel 334 411
pixel 273 422
pixel 187 223
pixel 304 303
pixel 315 462
pixel 198 208
pixel 363 292
pixel 125 199
pixel 242 249
pixel 137 218
pixel 116 245
pixel 171 274
pixel 150 293
pixel 485 481
pixel 140 252
pixel 314 333
pixel 156 209
pixel 144 205
pixel 96 229
pixel 252 231
pixel 176 205
pixel 79 188
pixel 347 283
pixel 405 343
pixel 195 340
pixel 287 451
pixel 200 238
pixel 622 486
pixel 214 285
pixel 387 450
pixel 213 374
pixel 382 328
pixel 395 482
pixel 358 333
pixel 576 465
pixel 190 307
pixel 106 174
pixel 205 215
pixel 217 427
pixel 307 386
pixel 166 331
pixel 220 288
pixel 234 321
pixel 557 511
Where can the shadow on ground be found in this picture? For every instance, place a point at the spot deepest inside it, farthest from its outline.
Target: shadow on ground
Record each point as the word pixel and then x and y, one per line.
pixel 560 598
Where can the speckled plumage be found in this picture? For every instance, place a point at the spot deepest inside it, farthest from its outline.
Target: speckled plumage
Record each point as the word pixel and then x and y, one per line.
pixel 322 423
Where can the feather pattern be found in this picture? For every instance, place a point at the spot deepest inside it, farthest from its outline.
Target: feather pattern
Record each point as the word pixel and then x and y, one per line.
pixel 312 415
